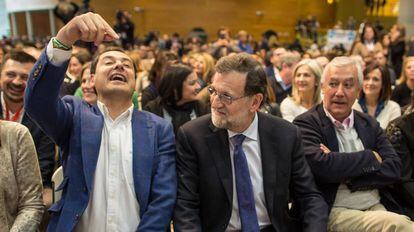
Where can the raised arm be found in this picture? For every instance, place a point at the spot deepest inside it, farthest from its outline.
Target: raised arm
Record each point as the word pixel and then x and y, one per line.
pixel 42 101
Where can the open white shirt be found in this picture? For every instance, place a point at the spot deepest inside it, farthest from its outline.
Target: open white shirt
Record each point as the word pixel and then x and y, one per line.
pixel 112 203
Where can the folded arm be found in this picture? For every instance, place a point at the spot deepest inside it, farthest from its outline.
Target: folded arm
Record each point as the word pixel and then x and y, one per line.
pixel 334 167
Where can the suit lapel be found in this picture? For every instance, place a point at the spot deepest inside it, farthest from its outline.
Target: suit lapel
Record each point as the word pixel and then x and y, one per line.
pixel 269 149
pixel 328 129
pixel 218 144
pixel 361 128
pixel 91 134
pixel 143 136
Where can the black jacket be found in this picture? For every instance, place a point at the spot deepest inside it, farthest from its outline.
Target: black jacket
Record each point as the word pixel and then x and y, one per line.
pixel 400 132
pixel 279 92
pixel 204 170
pixel 359 170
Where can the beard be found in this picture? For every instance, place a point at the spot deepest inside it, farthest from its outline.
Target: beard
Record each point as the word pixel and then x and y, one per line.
pixel 15 98
pixel 219 122
pixel 224 122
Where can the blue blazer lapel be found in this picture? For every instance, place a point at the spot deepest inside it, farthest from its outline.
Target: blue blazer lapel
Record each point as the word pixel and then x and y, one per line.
pixel 143 136
pixel 91 133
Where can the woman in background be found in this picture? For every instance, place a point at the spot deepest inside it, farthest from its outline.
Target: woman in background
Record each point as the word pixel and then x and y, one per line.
pixel 396 48
pixel 21 204
pixel 400 133
pixel 368 44
pixel 73 75
pixel 204 67
pixel 375 96
pixel 306 89
pixel 405 85
pixel 178 101
pixel 155 75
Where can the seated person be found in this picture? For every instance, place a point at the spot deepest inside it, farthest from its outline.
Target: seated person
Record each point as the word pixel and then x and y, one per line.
pixel 306 90
pixel 20 181
pixel 14 72
pixel 400 132
pixel 350 156
pixel 375 96
pixel 178 101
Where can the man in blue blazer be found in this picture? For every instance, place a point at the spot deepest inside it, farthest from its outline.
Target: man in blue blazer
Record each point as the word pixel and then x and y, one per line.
pixel 118 163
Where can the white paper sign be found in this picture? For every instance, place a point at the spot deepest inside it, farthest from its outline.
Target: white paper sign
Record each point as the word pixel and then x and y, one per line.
pixel 29 5
pixel 337 36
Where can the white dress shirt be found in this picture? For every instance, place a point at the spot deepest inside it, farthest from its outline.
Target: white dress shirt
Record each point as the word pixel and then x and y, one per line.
pixel 112 203
pixel 251 147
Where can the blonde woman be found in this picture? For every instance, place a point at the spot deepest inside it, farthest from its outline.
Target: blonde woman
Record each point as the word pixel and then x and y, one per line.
pixel 306 90
pixel 203 64
pixel 402 92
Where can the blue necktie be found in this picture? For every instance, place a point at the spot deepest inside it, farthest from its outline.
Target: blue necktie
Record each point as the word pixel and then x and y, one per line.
pixel 244 188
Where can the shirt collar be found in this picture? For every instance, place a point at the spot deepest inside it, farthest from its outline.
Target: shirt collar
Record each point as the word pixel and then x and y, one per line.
pixel 127 115
pixel 346 124
pixel 251 132
pixel 277 75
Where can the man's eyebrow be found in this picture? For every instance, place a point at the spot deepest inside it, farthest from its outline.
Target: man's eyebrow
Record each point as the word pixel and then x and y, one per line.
pixel 113 58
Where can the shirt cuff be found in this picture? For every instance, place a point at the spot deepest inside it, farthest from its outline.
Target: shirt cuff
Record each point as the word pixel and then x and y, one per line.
pixel 57 56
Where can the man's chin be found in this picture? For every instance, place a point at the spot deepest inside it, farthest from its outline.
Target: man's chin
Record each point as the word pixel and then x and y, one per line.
pixel 219 123
pixel 13 98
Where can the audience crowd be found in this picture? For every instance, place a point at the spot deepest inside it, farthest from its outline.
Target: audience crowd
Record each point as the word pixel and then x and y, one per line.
pixel 242 135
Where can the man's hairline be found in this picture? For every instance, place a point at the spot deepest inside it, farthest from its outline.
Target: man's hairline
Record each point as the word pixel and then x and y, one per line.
pixel 9 58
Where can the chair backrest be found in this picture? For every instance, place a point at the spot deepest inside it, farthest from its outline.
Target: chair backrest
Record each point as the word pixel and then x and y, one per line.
pixel 57 179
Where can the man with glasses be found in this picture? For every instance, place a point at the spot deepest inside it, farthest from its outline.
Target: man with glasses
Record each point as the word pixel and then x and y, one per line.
pixel 238 168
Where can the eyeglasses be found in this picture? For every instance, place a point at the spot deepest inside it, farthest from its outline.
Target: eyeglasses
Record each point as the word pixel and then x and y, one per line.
pixel 224 98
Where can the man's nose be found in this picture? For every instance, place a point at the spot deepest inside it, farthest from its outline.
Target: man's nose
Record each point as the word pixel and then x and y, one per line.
pixel 119 65
pixel 215 101
pixel 18 80
pixel 340 91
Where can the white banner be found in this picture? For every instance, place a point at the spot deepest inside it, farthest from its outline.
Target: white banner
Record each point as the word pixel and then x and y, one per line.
pixel 344 37
pixel 29 5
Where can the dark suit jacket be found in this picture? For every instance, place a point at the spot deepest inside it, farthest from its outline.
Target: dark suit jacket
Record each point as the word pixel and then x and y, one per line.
pixel 400 132
pixel 45 149
pixel 204 170
pixel 359 170
pixel 279 92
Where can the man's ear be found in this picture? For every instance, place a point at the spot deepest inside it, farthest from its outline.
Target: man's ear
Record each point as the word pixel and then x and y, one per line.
pixel 257 101
pixel 92 79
